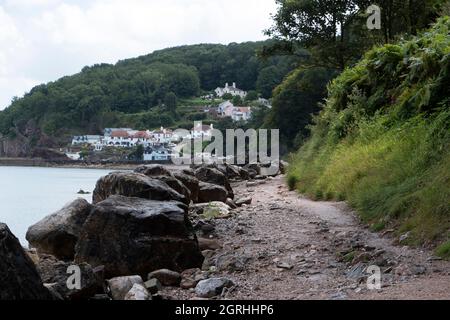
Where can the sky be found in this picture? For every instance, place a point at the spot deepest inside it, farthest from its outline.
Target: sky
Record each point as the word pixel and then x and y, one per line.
pixel 43 40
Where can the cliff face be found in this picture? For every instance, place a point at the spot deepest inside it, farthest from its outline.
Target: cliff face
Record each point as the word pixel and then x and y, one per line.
pixel 14 147
pixel 29 142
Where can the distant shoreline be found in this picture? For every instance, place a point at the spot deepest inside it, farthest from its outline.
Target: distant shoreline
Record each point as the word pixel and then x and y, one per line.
pixel 38 162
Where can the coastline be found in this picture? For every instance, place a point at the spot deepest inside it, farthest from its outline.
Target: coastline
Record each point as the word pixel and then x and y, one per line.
pixel 43 163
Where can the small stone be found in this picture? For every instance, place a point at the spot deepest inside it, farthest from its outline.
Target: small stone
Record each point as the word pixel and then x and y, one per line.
pixel 166 277
pixel 153 286
pixel 242 201
pixel 120 286
pixel 138 293
pixel 404 237
pixel 212 287
pixel 418 270
pixel 208 244
pixel 284 265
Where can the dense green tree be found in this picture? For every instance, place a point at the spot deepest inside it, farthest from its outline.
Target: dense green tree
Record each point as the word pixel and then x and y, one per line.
pixel 252 95
pixel 170 102
pixel 296 100
pixel 237 101
pixel 335 32
pixel 137 154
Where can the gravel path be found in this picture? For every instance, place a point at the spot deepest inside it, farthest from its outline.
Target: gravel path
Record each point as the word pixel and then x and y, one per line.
pixel 284 246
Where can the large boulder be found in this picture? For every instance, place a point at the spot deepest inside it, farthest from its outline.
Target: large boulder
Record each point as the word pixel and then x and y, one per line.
pixel 190 182
pixel 137 236
pixel 211 192
pixel 161 173
pixel 214 176
pixel 230 171
pixel 153 170
pixel 19 279
pixel 132 184
pixel 176 185
pixel 57 273
pixel 57 234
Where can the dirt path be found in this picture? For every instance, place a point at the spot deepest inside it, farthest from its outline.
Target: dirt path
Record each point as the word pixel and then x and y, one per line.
pixel 283 246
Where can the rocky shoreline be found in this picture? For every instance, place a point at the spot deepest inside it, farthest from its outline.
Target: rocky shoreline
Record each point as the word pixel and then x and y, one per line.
pixel 139 235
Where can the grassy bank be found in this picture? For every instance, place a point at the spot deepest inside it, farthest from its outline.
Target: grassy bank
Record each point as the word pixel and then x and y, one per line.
pixel 382 140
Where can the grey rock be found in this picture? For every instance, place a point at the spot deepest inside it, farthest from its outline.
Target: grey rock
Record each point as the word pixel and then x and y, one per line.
pixel 153 286
pixel 19 279
pixel 120 286
pixel 135 236
pixel 243 201
pixel 214 176
pixel 166 277
pixel 58 233
pixel 153 170
pixel 211 192
pixel 191 277
pixel 138 293
pixel 138 185
pixel 191 182
pixel 210 288
pixel 54 272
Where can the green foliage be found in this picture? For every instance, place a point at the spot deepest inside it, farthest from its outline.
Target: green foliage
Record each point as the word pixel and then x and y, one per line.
pixel 296 100
pixel 237 101
pixel 444 250
pixel 382 140
pixel 335 32
pixel 170 102
pixel 137 154
pixel 252 95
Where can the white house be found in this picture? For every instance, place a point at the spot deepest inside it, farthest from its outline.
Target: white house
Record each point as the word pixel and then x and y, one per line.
pixel 87 139
pixel 223 106
pixel 128 139
pixel 108 131
pixel 241 113
pixel 164 136
pixel 227 109
pixel 201 130
pixel 265 102
pixel 233 90
pixel 157 154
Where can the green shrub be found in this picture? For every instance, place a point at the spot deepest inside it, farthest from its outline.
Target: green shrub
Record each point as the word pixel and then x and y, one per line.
pixel 444 250
pixel 382 140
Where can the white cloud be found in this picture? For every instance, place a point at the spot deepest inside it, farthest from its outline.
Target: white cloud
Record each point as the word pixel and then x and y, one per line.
pixel 42 40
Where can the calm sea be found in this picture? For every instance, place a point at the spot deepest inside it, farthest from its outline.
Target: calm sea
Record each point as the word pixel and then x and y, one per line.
pixel 27 194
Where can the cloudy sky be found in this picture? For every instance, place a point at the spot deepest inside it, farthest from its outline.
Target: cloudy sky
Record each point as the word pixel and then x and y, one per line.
pixel 42 40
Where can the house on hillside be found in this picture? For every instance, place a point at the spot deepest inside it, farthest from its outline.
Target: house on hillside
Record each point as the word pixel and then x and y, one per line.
pixel 87 139
pixel 241 113
pixel 264 102
pixel 233 90
pixel 200 131
pixel 157 153
pixel 227 109
pixel 223 106
pixel 108 131
pixel 128 138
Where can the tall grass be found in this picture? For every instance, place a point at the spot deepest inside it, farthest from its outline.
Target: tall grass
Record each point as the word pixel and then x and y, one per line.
pixel 382 140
